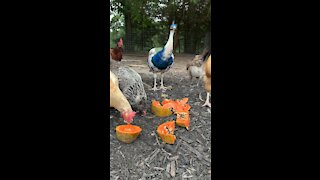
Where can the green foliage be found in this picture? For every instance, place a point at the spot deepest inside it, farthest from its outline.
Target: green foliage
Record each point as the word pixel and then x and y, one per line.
pixel 115 36
pixel 146 23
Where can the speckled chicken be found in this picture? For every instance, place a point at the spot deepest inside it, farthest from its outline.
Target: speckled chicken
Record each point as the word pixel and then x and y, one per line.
pixel 131 85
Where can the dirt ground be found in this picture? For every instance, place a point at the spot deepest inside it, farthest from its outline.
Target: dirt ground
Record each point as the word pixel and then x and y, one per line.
pixel 148 157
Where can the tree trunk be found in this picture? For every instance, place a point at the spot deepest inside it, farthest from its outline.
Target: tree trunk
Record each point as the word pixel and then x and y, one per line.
pixel 194 42
pixel 176 41
pixel 189 43
pixel 128 33
pixel 187 38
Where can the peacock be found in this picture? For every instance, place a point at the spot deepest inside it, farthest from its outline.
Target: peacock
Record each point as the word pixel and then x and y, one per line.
pixel 160 60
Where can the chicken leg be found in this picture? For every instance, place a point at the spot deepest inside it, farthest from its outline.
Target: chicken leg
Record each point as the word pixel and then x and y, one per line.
pixel 162 86
pixel 200 78
pixel 207 103
pixel 198 81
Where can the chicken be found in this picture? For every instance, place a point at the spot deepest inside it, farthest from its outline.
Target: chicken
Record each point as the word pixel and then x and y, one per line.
pixel 119 101
pixel 207 80
pixel 116 53
pixel 131 85
pixel 160 60
pixel 195 68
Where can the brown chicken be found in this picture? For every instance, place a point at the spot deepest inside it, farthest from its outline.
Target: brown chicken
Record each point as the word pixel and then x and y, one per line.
pixel 116 53
pixel 119 101
pixel 207 80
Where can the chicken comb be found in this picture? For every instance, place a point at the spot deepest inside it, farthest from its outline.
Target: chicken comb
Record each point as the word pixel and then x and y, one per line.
pixel 120 43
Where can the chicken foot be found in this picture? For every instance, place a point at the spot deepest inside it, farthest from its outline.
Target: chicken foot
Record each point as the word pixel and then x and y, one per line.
pixel 207 103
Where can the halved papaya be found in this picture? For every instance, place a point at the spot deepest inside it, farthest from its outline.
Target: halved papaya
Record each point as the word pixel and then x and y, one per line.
pixel 127 133
pixel 166 132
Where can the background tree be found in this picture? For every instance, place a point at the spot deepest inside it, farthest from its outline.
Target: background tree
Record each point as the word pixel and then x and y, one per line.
pixel 144 24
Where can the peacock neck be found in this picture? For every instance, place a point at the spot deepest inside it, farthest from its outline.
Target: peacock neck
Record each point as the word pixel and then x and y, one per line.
pixel 169 46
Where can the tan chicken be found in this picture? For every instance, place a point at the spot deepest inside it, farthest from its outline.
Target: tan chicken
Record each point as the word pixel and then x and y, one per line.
pixel 195 67
pixel 119 101
pixel 207 80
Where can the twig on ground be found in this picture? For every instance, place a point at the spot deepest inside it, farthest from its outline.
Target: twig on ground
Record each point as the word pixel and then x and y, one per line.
pixel 173 169
pixel 186 140
pixel 154 155
pixel 158 168
pixel 157 140
pixel 198 141
pixel 177 146
pixel 164 160
pixel 166 152
pixel 202 136
pixel 174 158
pixel 122 154
pixel 168 167
pixel 199 156
pixel 147 165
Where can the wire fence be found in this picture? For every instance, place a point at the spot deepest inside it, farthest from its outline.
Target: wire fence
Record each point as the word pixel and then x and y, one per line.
pixel 143 41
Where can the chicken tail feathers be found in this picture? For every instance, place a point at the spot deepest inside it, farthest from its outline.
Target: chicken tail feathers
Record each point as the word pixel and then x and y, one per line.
pixel 205 54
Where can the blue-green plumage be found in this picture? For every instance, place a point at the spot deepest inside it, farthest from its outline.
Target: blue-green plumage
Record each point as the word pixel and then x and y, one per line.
pixel 160 63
